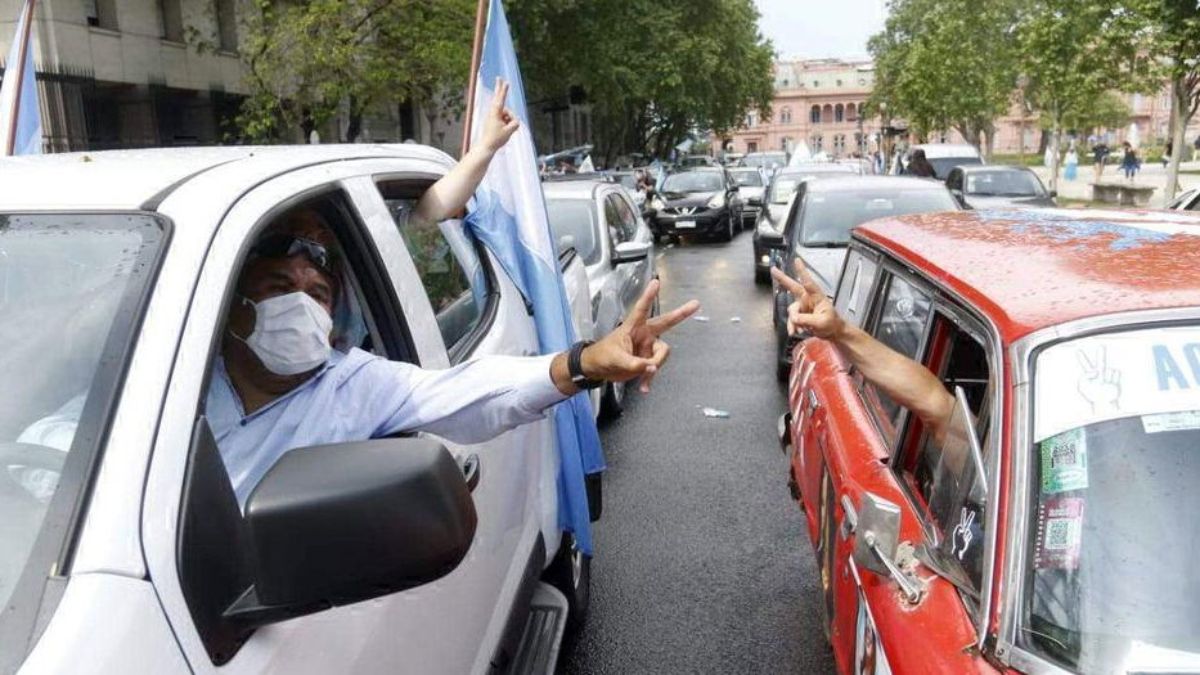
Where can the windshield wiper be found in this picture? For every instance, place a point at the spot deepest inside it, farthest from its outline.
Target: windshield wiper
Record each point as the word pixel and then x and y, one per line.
pixel 824 244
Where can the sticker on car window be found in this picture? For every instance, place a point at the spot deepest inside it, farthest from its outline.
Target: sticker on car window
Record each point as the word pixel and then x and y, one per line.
pixel 1059 533
pixel 1172 421
pixel 1064 462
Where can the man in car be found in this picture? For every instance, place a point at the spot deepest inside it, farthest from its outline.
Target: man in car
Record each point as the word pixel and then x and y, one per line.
pixel 280 385
pixel 907 382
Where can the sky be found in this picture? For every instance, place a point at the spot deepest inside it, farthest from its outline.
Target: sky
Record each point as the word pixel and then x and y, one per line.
pixel 820 28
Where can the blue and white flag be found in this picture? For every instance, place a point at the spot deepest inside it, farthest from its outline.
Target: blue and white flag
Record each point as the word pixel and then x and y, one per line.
pixel 510 219
pixel 20 117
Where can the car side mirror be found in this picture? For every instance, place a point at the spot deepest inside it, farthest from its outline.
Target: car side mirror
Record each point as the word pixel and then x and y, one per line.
pixel 1054 194
pixel 773 241
pixel 756 201
pixel 877 539
pixel 337 524
pixel 630 251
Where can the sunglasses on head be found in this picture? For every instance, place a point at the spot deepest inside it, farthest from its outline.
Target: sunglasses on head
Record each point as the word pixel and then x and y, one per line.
pixel 288 245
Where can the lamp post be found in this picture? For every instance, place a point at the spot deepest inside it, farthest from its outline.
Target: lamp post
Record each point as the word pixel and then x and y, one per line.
pixel 1022 82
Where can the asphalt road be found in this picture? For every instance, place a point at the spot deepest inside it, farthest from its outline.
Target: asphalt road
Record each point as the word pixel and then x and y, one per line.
pixel 702 565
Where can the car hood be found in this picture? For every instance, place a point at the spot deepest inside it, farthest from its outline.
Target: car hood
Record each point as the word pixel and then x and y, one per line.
pixel 825 265
pixel 678 199
pixel 747 192
pixel 1007 202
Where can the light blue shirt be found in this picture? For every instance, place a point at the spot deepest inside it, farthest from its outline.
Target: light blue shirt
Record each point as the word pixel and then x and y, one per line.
pixel 357 396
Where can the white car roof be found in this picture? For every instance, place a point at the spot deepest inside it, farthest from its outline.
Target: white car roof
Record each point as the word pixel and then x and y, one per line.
pixel 943 150
pixel 136 179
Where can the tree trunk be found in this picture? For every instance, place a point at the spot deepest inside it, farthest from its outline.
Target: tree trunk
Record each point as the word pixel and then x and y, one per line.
pixel 990 145
pixel 1180 106
pixel 1043 141
pixel 1054 145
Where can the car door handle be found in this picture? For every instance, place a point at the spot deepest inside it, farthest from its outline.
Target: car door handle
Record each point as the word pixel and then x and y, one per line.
pixel 472 471
pixel 812 402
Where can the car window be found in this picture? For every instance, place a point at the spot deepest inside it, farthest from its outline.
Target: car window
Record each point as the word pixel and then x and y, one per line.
pixel 573 224
pixel 629 221
pixel 783 187
pixel 612 219
pixel 828 216
pixel 747 178
pixel 854 290
pixel 693 181
pixel 955 181
pixel 900 324
pixel 447 259
pixel 1003 184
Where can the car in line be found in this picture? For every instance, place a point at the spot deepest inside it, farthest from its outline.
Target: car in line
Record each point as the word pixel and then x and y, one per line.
pixel 773 215
pixel 1042 533
pixel 601 223
pixel 123 548
pixel 818 227
pixel 769 161
pixel 751 185
pixel 701 201
pixel 1189 200
pixel 988 186
pixel 943 157
pixel 628 180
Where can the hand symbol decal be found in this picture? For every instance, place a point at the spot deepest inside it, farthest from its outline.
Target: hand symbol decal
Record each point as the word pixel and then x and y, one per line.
pixel 1099 384
pixel 962 532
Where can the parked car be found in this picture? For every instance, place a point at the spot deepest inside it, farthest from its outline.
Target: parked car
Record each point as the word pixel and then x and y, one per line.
pixel 1188 201
pixel 601 223
pixel 694 161
pixel 767 161
pixel 992 187
pixel 628 180
pixel 819 223
pixel 1040 534
pixel 697 201
pixel 123 548
pixel 773 215
pixel 750 185
pixel 943 157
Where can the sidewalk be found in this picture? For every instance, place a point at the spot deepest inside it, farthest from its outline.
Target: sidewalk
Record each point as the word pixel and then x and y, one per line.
pixel 1152 174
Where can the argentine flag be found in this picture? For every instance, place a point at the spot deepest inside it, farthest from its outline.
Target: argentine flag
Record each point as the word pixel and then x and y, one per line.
pixel 20 119
pixel 510 219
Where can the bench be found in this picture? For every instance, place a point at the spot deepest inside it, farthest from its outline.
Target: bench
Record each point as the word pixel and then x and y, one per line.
pixel 1122 193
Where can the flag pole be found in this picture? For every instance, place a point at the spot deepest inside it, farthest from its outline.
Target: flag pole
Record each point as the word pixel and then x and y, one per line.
pixel 13 73
pixel 476 53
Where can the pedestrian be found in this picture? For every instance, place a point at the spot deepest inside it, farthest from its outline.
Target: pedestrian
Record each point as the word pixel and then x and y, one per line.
pixel 1072 164
pixel 1166 158
pixel 1196 149
pixel 919 166
pixel 1129 161
pixel 1099 158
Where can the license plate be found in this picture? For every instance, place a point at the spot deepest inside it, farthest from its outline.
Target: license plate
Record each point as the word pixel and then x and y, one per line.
pixel 685 224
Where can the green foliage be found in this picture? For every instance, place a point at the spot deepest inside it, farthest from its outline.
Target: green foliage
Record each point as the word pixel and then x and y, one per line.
pixel 307 59
pixel 652 70
pixel 1108 111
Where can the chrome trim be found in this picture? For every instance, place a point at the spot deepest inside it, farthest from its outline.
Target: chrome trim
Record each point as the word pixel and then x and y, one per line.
pixel 1017 532
pixel 849 517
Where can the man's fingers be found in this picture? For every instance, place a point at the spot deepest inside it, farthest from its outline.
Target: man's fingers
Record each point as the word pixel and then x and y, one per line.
pixel 661 352
pixel 787 282
pixel 641 309
pixel 806 280
pixel 666 322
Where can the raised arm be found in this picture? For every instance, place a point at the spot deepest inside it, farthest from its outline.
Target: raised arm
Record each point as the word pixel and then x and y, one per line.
pixel 448 197
pixel 904 380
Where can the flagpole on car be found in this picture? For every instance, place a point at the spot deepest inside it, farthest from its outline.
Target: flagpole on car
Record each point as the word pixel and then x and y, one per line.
pixel 10 89
pixel 476 53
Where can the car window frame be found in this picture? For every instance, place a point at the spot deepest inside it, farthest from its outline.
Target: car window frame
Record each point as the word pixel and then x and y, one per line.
pixel 868 303
pixel 627 214
pixel 43 578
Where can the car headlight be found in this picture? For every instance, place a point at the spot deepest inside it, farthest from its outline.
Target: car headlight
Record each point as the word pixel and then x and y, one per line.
pixel 657 204
pixel 717 201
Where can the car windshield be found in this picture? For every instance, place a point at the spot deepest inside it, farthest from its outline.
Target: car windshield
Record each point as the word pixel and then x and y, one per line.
pixel 628 180
pixel 943 165
pixel 692 181
pixel 573 222
pixel 63 282
pixel 827 218
pixel 748 178
pixel 765 160
pixel 1003 184
pixel 783 187
pixel 1113 532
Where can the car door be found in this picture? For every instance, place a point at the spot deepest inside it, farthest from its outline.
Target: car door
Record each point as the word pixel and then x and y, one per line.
pixel 634 275
pixel 448 626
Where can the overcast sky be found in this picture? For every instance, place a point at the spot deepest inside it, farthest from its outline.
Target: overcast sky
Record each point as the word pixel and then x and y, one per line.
pixel 820 28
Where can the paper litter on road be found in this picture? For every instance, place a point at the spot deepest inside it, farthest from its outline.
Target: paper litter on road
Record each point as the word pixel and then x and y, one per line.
pixel 735 319
pixel 713 412
pixel 701 318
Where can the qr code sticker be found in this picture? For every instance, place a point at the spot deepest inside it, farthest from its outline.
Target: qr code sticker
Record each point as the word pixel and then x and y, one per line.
pixel 1062 534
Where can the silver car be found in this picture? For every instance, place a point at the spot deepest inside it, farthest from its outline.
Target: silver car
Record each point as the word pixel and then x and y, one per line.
pixel 751 185
pixel 599 220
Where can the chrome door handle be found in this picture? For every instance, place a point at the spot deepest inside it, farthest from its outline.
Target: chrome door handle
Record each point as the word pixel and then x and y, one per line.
pixel 812 402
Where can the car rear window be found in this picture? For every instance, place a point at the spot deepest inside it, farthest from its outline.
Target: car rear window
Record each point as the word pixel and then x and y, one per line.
pixel 827 218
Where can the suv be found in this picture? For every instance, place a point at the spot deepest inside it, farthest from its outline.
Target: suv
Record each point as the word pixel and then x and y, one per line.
pixel 123 547
pixel 699 201
pixel 1039 535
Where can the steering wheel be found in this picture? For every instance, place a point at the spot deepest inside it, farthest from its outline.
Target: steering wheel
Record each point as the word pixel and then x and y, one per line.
pixel 30 456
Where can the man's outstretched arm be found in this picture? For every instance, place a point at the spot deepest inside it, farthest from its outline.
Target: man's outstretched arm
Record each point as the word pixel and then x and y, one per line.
pixel 904 380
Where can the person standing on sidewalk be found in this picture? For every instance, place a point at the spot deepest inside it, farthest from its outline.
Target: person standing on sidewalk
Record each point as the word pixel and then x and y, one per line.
pixel 1166 158
pixel 1099 157
pixel 1129 161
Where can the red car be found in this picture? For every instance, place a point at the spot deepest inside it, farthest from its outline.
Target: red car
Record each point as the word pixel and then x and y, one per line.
pixel 1053 528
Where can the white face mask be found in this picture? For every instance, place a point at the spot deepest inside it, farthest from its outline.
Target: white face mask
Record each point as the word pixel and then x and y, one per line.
pixel 291 333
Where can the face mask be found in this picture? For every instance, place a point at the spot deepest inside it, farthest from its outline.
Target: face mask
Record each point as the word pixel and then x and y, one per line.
pixel 291 333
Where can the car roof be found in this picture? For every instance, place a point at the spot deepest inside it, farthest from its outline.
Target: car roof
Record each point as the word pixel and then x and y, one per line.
pixel 947 150
pixel 977 168
pixel 574 189
pixel 1035 268
pixel 855 182
pixel 135 179
pixel 816 167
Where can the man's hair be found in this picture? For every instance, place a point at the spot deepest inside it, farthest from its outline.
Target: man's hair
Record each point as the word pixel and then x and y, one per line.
pixel 307 223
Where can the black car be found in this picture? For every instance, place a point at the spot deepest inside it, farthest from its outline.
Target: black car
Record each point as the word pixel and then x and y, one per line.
pixel 989 187
pixel 773 214
pixel 698 201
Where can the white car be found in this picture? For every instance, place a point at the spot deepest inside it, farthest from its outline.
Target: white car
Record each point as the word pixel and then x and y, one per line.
pixel 600 222
pixel 943 157
pixel 1189 200
pixel 122 548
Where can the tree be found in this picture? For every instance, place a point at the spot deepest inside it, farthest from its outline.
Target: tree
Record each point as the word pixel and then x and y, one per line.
pixel 1109 111
pixel 307 61
pixel 944 64
pixel 653 70
pixel 1176 30
pixel 1073 52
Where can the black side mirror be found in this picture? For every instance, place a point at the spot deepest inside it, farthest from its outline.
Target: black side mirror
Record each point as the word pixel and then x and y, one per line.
pixel 773 241
pixel 1054 194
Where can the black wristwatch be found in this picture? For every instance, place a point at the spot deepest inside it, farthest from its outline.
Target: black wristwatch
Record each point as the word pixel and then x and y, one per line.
pixel 575 366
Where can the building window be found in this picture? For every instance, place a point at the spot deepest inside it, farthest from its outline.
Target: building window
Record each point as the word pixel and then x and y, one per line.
pixel 816 83
pixel 785 116
pixel 785 144
pixel 851 113
pixel 785 83
pixel 814 115
pixel 816 142
pixel 839 144
pixel 750 120
pixel 839 113
pixel 839 83
pixel 227 25
pixel 101 13
pixel 172 20
pixel 827 114
pixel 751 146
